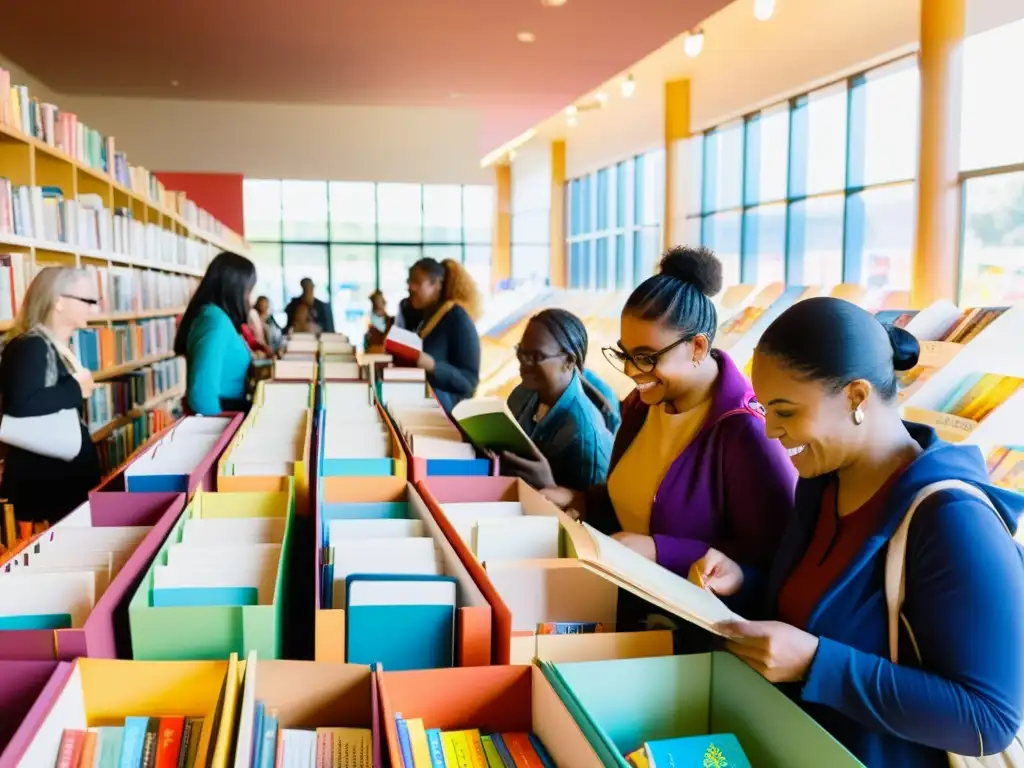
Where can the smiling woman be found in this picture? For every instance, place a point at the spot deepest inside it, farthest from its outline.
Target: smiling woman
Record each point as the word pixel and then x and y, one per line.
pixel 882 670
pixel 692 471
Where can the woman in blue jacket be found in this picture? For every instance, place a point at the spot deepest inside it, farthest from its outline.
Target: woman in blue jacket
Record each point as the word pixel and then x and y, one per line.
pixel 567 418
pixel 209 336
pixel 826 372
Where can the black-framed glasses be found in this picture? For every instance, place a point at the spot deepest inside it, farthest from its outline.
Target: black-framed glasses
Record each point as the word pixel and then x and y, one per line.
pixel 530 357
pixel 645 363
pixel 83 299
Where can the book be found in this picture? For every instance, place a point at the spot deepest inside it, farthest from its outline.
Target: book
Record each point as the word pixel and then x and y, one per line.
pixel 403 345
pixel 491 425
pixel 645 579
pixel 720 750
pixel 468 748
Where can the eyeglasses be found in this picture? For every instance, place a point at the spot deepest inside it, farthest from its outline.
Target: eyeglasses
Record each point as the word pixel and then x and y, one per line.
pixel 83 299
pixel 531 358
pixel 645 363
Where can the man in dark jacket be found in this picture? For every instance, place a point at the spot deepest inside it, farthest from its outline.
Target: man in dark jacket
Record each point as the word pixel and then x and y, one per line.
pixel 319 311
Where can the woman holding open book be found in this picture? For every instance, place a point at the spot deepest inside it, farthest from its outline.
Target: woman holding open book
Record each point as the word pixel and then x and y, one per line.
pixel 566 416
pixel 447 297
pixel 896 597
pixel 692 471
pixel 51 463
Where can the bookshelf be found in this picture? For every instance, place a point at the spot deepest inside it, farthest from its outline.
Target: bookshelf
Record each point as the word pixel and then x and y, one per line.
pixel 69 198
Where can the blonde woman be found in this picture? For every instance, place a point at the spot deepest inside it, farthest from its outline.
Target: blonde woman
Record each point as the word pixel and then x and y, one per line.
pixel 447 297
pixel 51 463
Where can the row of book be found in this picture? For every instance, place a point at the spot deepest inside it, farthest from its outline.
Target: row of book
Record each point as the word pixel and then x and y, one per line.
pixel 63 131
pixel 126 290
pixel 1006 467
pixel 14 278
pixel 979 394
pixel 129 391
pixel 434 748
pixel 121 343
pixel 142 742
pixel 45 214
pixel 115 448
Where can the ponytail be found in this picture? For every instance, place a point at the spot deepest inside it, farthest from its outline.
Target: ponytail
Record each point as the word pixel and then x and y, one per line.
pixel 460 288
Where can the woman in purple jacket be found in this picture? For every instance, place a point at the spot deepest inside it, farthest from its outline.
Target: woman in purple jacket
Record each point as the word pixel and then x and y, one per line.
pixel 692 470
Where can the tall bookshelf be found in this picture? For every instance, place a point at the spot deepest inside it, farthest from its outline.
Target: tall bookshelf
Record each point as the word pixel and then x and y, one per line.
pixel 154 244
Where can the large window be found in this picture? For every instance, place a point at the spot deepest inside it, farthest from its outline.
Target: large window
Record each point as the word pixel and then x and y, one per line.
pixel 353 237
pixel 992 170
pixel 815 190
pixel 615 219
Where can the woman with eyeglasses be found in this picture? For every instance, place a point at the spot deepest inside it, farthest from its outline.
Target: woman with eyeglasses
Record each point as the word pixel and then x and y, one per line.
pixel 692 470
pixel 51 463
pixel 568 419
pixel 210 337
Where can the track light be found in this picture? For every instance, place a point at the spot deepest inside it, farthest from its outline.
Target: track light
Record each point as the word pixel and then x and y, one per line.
pixel 693 44
pixel 628 86
pixel 763 9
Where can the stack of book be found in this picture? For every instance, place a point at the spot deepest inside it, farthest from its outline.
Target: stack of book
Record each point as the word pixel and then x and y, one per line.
pixel 1006 467
pixel 979 394
pixel 297 748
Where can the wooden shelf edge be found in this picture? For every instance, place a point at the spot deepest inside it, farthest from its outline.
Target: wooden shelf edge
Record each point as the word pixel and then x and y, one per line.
pixel 12 132
pixel 117 370
pixel 103 432
pixel 121 259
pixel 145 314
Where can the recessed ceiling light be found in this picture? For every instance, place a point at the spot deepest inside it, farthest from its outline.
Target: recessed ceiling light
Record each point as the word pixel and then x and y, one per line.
pixel 601 97
pixel 628 86
pixel 571 110
pixel 525 37
pixel 174 83
pixel 553 3
pixel 571 121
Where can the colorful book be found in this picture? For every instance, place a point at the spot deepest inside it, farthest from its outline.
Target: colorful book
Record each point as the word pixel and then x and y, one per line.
pixel 720 750
pixel 403 345
pixel 491 425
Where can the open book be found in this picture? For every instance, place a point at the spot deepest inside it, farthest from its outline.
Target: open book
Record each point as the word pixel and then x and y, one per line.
pixel 645 579
pixel 491 425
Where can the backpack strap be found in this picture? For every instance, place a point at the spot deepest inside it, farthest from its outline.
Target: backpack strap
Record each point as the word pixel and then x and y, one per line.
pixel 896 559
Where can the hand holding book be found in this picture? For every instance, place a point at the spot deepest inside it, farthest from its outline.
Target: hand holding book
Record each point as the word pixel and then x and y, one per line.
pixel 717 573
pixel 535 469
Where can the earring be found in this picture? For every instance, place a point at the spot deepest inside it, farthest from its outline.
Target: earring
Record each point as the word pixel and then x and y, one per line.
pixel 696 363
pixel 858 416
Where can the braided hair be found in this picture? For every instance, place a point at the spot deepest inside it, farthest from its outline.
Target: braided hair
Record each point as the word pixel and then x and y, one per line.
pixel 570 334
pixel 679 296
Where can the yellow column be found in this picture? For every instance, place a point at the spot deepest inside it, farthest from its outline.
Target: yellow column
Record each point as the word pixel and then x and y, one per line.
pixel 937 247
pixel 677 130
pixel 559 266
pixel 501 245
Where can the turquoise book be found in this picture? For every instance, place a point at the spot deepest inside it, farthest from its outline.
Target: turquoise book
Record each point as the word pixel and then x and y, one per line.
pixel 719 750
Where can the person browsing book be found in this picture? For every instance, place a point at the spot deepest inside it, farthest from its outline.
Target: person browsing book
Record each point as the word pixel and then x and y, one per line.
pixel 564 415
pixel 317 310
pixel 447 297
pixel 209 336
pixel 691 470
pixel 826 370
pixel 40 376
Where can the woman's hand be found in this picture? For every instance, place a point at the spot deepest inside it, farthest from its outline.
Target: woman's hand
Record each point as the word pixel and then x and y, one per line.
pixel 642 545
pixel 560 497
pixel 717 573
pixel 536 470
pixel 84 379
pixel 780 652
pixel 426 362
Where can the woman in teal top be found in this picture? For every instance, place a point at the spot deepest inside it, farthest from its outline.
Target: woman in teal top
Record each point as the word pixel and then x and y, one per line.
pixel 210 338
pixel 559 408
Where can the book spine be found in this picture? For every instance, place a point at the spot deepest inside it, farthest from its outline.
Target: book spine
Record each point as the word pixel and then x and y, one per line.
pixel 150 742
pixel 133 742
pixel 436 748
pixel 169 745
pixel 403 741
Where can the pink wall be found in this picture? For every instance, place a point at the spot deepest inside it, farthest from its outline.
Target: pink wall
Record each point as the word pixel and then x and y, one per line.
pixel 218 193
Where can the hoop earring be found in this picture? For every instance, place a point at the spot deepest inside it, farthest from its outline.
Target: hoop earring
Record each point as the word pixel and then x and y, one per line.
pixel 858 416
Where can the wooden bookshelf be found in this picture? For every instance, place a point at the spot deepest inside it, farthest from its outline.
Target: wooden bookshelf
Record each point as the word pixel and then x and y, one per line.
pixel 119 370
pixel 126 418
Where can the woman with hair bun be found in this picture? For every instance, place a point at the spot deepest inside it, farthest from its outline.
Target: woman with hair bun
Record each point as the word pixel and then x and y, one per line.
pixel 935 666
pixel 446 297
pixel 692 472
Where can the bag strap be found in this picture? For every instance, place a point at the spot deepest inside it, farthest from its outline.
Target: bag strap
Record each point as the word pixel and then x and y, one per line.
pixel 896 558
pixel 431 324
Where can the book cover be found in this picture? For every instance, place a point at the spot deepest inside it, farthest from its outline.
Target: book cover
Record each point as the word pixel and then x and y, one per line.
pixel 720 750
pixel 403 344
pixel 491 425
pixel 170 741
pixel 418 743
pixel 133 742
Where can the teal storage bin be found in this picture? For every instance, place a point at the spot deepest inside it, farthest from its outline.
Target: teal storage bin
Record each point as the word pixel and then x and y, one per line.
pixel 622 704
